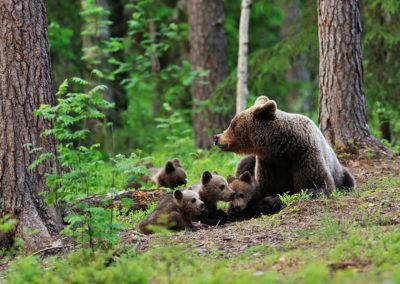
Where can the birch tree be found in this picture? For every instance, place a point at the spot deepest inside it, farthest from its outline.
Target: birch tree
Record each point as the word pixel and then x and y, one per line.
pixel 241 87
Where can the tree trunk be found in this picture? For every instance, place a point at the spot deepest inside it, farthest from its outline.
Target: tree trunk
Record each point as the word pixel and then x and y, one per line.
pixel 297 98
pixel 155 64
pixel 241 88
pixel 96 31
pixel 207 51
pixel 342 114
pixel 118 16
pixel 25 84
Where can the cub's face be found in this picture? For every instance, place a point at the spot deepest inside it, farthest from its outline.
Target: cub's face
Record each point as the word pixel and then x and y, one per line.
pixel 172 175
pixel 238 137
pixel 244 190
pixel 215 187
pixel 189 202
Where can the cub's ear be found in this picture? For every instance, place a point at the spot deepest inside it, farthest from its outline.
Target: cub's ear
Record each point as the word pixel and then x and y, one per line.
pixel 169 167
pixel 246 177
pixel 177 163
pixel 230 178
pixel 266 111
pixel 261 100
pixel 206 177
pixel 178 194
pixel 214 172
pixel 190 188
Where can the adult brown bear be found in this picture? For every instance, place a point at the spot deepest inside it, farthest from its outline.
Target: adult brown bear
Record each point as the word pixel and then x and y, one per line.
pixel 291 152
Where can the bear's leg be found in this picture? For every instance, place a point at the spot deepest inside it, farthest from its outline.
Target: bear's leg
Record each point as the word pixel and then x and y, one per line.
pixel 215 218
pixel 175 221
pixel 270 205
pixel 143 227
pixel 272 179
pixel 314 179
pixel 347 180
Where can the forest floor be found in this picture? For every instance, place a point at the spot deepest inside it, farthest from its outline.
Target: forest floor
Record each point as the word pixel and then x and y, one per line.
pixel 377 195
pixel 351 237
pixel 355 230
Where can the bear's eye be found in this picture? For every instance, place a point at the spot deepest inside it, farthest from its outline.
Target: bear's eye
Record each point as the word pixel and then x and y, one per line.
pixel 241 195
pixel 221 187
pixel 193 200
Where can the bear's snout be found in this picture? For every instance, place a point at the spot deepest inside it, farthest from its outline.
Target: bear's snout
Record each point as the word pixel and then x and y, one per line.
pixel 232 195
pixel 217 142
pixel 216 138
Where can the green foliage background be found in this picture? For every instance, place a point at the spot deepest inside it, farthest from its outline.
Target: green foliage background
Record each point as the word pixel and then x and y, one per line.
pixel 124 56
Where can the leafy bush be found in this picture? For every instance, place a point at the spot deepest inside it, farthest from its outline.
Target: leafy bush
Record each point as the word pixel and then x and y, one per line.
pixel 79 174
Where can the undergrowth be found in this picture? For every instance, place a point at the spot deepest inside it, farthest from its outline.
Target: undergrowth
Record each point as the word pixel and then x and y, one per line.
pixel 358 248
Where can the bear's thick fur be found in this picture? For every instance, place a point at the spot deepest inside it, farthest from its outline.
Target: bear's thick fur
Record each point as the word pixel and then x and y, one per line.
pixel 211 189
pixel 291 152
pixel 174 211
pixel 247 163
pixel 248 201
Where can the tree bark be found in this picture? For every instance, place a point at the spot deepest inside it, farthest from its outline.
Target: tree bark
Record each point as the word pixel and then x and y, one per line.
pixel 241 88
pixel 25 84
pixel 342 113
pixel 207 51
pixel 96 31
pixel 297 72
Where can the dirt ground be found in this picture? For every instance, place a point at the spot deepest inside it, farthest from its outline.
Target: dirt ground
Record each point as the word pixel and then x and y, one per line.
pixel 272 231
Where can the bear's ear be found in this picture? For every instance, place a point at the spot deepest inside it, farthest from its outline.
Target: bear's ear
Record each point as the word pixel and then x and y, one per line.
pixel 246 177
pixel 177 163
pixel 261 100
pixel 169 167
pixel 178 195
pixel 230 178
pixel 206 177
pixel 266 111
pixel 214 172
pixel 190 188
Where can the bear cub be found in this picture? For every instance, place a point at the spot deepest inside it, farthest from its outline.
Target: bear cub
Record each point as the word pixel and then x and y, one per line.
pixel 175 211
pixel 171 175
pixel 211 189
pixel 248 201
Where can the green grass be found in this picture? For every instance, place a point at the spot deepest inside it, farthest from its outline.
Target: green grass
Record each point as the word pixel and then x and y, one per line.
pixel 358 256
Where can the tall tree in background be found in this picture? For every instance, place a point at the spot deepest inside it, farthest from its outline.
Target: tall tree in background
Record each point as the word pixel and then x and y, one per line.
pixel 241 88
pixel 342 113
pixel 25 84
pixel 207 51
pixel 297 98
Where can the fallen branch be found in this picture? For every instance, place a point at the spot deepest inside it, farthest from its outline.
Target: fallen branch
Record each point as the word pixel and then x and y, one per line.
pixel 140 198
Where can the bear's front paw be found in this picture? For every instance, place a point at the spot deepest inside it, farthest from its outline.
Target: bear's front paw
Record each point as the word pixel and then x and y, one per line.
pixel 270 205
pixel 197 226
